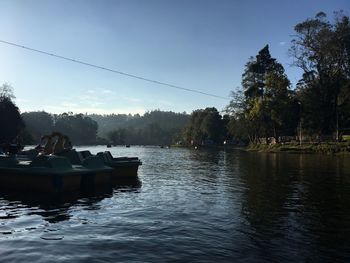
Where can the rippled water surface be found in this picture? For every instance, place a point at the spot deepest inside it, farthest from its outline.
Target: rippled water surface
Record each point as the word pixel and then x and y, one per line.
pixel 191 206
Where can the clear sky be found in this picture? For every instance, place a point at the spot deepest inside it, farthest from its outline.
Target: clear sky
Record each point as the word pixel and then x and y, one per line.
pixel 195 44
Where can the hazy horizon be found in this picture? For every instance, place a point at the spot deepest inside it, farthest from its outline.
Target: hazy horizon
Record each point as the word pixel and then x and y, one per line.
pixel 115 113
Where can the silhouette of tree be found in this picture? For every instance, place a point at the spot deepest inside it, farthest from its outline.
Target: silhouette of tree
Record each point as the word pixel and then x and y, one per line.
pixel 205 125
pixel 117 137
pixel 322 50
pixel 38 123
pixel 262 107
pixel 7 91
pixel 153 128
pixel 10 118
pixel 80 128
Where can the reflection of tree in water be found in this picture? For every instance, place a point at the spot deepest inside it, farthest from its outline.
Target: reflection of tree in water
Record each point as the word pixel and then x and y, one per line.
pixel 326 200
pixel 55 208
pixel 52 207
pixel 267 188
pixel 297 205
pixel 206 165
pixel 210 156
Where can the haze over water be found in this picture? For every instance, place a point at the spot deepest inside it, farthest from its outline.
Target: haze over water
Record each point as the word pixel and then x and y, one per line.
pixel 192 206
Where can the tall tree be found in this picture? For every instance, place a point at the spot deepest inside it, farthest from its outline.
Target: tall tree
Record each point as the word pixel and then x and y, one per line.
pixel 205 125
pixel 322 50
pixel 80 128
pixel 10 117
pixel 38 123
pixel 280 104
pixel 266 96
pixel 6 90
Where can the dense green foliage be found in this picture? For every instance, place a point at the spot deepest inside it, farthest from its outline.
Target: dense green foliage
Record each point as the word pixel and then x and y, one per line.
pixel 10 118
pixel 266 106
pixel 205 127
pixel 153 128
pixel 80 128
pixel 322 50
pixel 37 124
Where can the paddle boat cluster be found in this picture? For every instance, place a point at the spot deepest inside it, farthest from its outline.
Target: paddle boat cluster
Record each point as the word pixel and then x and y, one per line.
pixel 65 172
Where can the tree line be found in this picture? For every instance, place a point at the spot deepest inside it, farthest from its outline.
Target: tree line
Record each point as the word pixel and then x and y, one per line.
pixel 153 128
pixel 267 106
pixel 80 128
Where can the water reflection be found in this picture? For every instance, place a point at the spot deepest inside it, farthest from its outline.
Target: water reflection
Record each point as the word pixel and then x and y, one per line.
pixel 205 167
pixel 267 189
pixel 296 204
pixel 203 206
pixel 55 207
pixel 206 155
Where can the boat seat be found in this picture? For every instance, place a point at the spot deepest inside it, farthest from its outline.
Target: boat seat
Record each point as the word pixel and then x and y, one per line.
pixel 54 162
pixel 104 157
pixel 109 155
pixel 93 162
pixel 8 161
pixel 73 156
pixel 28 154
pixel 85 154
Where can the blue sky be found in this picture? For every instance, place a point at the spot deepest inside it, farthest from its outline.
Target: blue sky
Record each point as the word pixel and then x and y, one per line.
pixel 195 44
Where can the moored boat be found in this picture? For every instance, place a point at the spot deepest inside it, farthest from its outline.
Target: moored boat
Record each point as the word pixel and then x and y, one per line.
pixel 70 171
pixel 123 167
pixel 42 174
pixel 100 172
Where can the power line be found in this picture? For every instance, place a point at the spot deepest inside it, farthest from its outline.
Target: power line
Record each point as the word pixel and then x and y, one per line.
pixel 111 70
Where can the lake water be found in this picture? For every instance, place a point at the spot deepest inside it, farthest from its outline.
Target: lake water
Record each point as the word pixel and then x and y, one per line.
pixel 191 206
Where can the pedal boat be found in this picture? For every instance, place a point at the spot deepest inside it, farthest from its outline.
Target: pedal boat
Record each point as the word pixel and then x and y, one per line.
pixel 100 173
pixel 123 167
pixel 48 174
pixel 100 176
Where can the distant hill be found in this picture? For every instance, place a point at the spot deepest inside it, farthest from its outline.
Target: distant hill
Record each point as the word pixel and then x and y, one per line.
pixel 154 127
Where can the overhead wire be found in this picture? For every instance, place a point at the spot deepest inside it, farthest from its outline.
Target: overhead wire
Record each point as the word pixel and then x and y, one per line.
pixel 111 70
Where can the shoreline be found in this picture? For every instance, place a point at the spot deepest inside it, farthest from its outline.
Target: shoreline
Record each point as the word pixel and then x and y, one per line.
pixel 330 148
pixel 333 148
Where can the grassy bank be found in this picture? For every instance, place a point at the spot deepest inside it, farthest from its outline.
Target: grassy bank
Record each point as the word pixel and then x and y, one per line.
pixel 326 148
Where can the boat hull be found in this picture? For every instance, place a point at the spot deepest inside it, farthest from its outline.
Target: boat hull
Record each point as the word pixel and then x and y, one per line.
pixel 52 174
pixel 123 167
pixel 48 183
pixel 101 174
pixel 124 171
pixel 95 180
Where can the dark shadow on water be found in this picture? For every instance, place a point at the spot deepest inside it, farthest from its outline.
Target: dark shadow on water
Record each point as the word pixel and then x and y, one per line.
pixel 206 155
pixel 298 203
pixel 56 207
